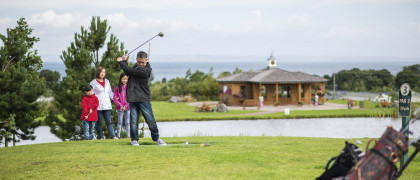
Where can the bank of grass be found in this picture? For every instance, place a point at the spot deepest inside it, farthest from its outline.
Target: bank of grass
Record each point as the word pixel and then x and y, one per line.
pixel 165 111
pixel 367 104
pixel 226 158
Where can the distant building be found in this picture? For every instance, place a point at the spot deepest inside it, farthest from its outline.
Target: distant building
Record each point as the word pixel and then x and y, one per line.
pixel 274 84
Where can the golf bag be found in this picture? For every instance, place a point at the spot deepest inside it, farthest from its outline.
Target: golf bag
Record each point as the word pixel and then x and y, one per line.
pixel 379 162
pixel 347 158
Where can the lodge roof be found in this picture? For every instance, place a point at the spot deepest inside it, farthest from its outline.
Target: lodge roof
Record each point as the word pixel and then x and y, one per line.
pixel 270 76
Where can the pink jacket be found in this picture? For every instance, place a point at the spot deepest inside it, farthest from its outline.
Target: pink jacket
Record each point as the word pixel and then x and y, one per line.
pixel 120 98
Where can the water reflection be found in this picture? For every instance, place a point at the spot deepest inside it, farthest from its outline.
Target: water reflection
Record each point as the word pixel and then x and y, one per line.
pixel 325 127
pixel 43 135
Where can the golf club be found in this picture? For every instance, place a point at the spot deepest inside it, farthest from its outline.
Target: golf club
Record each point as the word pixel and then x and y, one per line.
pixel 160 34
pixel 77 128
pixel 417 117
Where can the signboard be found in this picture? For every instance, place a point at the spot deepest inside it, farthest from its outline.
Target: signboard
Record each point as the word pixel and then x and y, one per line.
pixel 404 100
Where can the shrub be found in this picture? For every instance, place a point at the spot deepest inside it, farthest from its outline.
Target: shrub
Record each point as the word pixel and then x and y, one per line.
pixel 187 99
pixel 205 107
pixel 385 104
pixel 300 103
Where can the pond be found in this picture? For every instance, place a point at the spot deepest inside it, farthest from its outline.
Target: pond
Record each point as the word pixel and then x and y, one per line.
pixel 317 127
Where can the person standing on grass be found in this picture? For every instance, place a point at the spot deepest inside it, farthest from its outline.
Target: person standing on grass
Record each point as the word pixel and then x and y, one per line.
pixel 89 115
pixel 138 96
pixel 102 90
pixel 123 108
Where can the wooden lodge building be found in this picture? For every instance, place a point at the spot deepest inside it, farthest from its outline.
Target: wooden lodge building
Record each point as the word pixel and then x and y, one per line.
pixel 272 83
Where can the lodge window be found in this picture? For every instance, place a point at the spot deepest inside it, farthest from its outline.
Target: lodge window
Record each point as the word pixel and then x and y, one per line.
pixel 313 94
pixel 313 91
pixel 242 91
pixel 279 92
pixel 263 91
pixel 286 92
pixel 302 92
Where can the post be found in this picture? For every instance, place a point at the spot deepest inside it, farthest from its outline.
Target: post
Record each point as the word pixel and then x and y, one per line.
pixel 405 120
pixel 404 106
pixel 277 92
pixel 299 92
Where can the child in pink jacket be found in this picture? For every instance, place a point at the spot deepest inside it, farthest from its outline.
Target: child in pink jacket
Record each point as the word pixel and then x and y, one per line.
pixel 123 108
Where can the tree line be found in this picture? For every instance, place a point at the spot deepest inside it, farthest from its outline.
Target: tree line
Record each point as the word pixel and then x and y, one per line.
pixel 375 80
pixel 201 86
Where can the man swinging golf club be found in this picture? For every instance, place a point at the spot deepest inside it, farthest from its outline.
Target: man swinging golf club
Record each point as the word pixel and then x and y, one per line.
pixel 138 96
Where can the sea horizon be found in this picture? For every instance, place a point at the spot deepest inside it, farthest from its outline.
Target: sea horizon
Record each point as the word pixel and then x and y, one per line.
pixel 170 67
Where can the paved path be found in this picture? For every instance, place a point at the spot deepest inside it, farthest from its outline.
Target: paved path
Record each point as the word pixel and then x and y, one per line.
pixel 267 109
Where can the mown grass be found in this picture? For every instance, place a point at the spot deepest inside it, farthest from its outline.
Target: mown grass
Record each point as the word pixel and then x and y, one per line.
pixel 225 158
pixel 165 111
pixel 367 104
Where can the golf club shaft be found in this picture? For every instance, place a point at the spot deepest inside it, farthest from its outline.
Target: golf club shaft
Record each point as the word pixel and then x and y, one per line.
pixel 408 125
pixel 142 44
pixel 413 140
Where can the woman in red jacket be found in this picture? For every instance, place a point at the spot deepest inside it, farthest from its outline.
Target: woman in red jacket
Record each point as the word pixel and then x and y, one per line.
pixel 89 116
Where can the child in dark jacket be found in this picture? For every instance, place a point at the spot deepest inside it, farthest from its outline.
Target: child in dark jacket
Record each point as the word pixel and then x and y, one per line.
pixel 89 115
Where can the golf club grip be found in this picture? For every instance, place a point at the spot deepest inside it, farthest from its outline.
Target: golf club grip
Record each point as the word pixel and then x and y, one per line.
pixel 142 44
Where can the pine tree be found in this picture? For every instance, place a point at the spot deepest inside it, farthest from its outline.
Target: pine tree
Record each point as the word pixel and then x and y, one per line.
pixel 81 59
pixel 20 84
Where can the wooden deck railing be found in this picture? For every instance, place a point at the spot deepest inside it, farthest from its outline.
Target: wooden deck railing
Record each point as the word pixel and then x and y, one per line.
pixel 251 102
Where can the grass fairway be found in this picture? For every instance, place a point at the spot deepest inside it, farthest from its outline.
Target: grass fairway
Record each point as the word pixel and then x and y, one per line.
pixel 166 111
pixel 226 158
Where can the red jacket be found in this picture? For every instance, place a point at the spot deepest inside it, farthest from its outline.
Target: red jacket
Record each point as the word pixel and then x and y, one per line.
pixel 90 102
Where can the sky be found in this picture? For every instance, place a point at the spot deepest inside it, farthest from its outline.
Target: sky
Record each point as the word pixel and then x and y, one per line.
pixel 306 28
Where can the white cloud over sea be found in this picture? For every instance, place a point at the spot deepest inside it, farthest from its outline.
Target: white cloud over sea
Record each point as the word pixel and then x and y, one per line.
pixel 232 27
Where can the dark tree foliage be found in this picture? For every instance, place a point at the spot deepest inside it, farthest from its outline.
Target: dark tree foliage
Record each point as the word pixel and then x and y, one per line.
pixel 51 77
pixel 20 84
pixel 363 80
pixel 410 75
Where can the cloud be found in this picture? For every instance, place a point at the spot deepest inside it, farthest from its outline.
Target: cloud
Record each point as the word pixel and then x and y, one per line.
pixel 144 4
pixel 257 14
pixel 350 33
pixel 345 2
pixel 163 4
pixel 50 18
pixel 415 26
pixel 171 25
pixel 298 20
pixel 120 20
pixel 5 23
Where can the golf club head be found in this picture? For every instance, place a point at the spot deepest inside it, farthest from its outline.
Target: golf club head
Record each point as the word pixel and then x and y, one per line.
pixel 77 128
pixel 161 34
